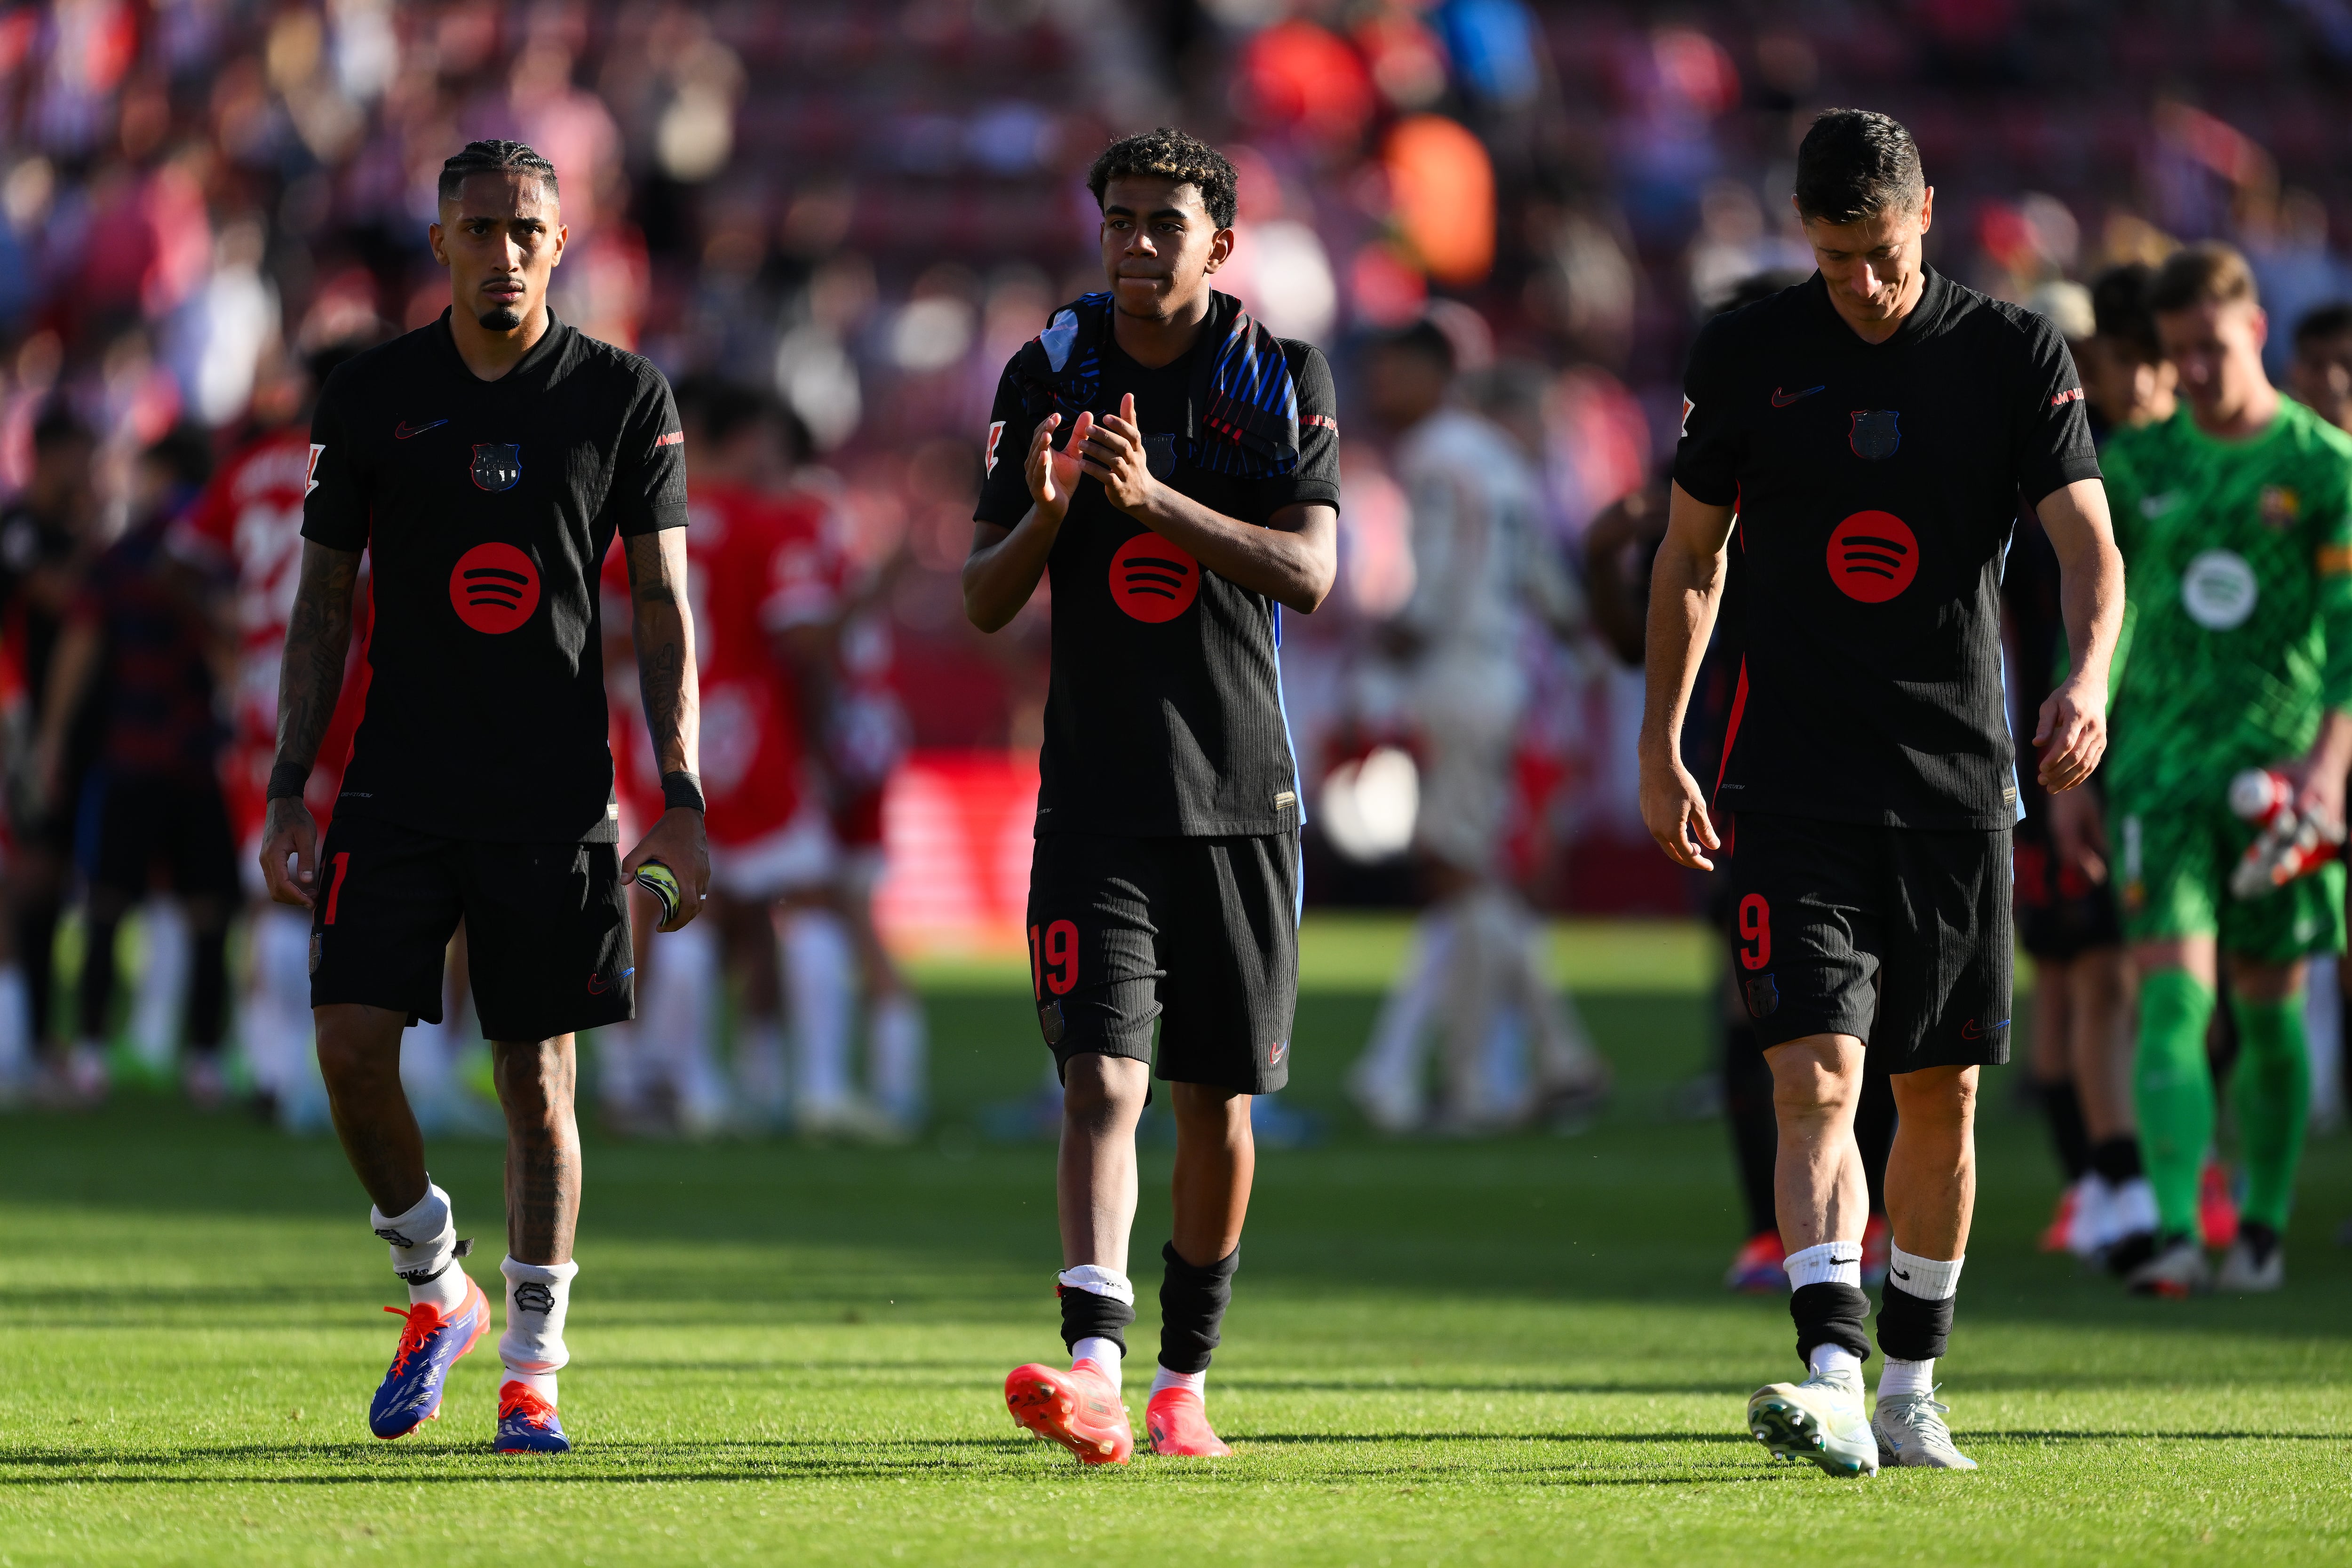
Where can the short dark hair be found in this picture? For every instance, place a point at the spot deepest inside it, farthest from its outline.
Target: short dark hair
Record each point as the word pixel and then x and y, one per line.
pixel 184 452
pixel 1169 153
pixel 2323 321
pixel 1854 163
pixel 2196 274
pixel 494 158
pixel 1423 338
pixel 2119 310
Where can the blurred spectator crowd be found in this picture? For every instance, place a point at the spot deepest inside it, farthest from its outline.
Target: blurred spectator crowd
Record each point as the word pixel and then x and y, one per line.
pixel 861 210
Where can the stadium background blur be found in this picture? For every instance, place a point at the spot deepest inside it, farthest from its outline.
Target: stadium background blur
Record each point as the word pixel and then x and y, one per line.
pixel 867 208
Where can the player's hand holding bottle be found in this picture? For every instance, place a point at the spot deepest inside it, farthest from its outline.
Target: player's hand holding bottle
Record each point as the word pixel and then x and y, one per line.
pixel 677 842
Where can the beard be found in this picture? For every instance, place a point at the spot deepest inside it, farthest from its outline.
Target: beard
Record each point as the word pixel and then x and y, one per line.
pixel 505 319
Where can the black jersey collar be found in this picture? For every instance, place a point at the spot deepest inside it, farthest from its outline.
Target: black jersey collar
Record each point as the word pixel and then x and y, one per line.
pixel 1935 294
pixel 530 370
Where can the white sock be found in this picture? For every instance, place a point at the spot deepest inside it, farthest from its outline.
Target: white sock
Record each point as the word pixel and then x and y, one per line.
pixel 424 1241
pixel 1827 1360
pixel 1196 1382
pixel 540 1383
pixel 1829 1263
pixel 16 1027
pixel 276 1020
pixel 897 1047
pixel 1104 1353
pixel 538 1297
pixel 1897 1378
pixel 818 963
pixel 1925 1278
pixel 162 982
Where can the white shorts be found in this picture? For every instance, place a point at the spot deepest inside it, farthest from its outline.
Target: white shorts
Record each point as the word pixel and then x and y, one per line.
pixel 797 857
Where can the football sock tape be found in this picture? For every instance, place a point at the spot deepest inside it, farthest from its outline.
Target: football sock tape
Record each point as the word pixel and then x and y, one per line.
pixel 2270 1095
pixel 1193 1302
pixel 1830 1314
pixel 1097 1304
pixel 2174 1091
pixel 539 1296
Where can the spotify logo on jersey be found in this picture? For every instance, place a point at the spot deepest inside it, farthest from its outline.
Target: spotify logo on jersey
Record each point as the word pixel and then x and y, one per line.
pixel 2217 590
pixel 1153 580
pixel 494 588
pixel 1873 556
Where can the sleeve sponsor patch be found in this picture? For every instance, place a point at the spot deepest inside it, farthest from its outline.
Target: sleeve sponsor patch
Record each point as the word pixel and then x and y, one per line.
pixel 1325 420
pixel 675 439
pixel 2071 395
pixel 312 475
pixel 995 435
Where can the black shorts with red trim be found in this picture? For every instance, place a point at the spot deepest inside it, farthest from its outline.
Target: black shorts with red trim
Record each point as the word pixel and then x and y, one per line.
pixel 1197 936
pixel 547 928
pixel 1897 936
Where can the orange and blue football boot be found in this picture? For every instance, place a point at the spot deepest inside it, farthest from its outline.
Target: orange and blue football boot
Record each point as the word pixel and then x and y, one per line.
pixel 527 1424
pixel 1758 1269
pixel 1079 1409
pixel 430 1343
pixel 1178 1423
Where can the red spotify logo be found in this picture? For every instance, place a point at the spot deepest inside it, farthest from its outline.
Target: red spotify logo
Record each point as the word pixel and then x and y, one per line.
pixel 1873 555
pixel 1153 580
pixel 494 588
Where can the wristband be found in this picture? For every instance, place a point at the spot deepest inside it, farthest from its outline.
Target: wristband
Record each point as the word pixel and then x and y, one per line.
pixel 288 781
pixel 682 791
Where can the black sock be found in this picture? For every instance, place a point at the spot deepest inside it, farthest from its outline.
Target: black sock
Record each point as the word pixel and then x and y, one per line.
pixel 1090 1315
pixel 1911 1329
pixel 1831 1315
pixel 2116 1159
pixel 2063 1108
pixel 1193 1302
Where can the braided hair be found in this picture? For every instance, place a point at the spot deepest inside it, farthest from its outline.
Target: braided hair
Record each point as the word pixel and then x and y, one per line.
pixel 494 158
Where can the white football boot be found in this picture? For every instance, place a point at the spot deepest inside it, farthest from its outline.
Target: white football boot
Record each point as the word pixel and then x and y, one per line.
pixel 1912 1435
pixel 1821 1419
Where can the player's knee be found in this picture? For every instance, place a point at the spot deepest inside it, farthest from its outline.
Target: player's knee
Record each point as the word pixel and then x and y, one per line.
pixel 1812 1078
pixel 1943 1097
pixel 1099 1091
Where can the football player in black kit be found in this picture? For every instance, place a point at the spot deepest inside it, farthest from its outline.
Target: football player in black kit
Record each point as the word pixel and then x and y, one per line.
pixel 1871 432
pixel 484 463
pixel 1175 466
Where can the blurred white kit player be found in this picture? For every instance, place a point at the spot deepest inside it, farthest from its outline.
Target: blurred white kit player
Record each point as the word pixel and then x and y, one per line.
pixel 1483 580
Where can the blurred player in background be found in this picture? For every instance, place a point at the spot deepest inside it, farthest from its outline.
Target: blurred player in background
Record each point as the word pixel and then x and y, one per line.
pixel 484 463
pixel 1481 573
pixel 2067 920
pixel 45 543
pixel 248 525
pixel 148 634
pixel 2235 517
pixel 1176 466
pixel 2320 375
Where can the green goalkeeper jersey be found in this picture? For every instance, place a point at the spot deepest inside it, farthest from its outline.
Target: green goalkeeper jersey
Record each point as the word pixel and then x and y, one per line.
pixel 2238 596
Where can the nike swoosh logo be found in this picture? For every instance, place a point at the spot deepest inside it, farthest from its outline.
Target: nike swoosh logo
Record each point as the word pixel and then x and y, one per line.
pixel 405 430
pixel 1782 399
pixel 1898 1274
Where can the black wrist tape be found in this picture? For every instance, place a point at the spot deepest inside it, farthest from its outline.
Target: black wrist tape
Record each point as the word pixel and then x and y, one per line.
pixel 1832 1315
pixel 682 791
pixel 1193 1302
pixel 1090 1315
pixel 288 781
pixel 1912 1328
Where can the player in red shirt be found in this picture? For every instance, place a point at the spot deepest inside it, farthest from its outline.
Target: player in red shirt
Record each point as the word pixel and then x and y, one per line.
pixel 763 577
pixel 249 521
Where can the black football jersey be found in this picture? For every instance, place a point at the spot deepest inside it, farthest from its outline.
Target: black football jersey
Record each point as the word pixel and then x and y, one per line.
pixel 487 506
pixel 1877 485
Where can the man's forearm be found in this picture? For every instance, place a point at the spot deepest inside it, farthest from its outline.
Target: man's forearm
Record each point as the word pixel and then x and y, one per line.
pixel 2092 603
pixel 1000 574
pixel 1290 568
pixel 1684 595
pixel 70 671
pixel 317 639
pixel 665 678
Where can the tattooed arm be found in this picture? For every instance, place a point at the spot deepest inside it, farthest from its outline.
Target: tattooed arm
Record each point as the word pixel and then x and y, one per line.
pixel 666 675
pixel 310 680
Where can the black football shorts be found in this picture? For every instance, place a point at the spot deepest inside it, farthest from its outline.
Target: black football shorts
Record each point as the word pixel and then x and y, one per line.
pixel 547 928
pixel 2061 913
pixel 1897 936
pixel 1197 935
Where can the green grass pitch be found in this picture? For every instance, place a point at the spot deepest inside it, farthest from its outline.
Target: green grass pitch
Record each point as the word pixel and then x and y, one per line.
pixel 1514 1351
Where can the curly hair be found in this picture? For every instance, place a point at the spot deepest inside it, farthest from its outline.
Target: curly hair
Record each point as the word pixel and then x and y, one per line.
pixel 1169 153
pixel 494 158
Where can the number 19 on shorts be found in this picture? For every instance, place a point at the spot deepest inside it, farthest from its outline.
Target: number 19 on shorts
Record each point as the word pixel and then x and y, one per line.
pixel 1053 959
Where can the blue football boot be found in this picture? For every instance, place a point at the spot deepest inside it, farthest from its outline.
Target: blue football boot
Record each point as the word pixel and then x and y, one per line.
pixel 430 1344
pixel 527 1424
